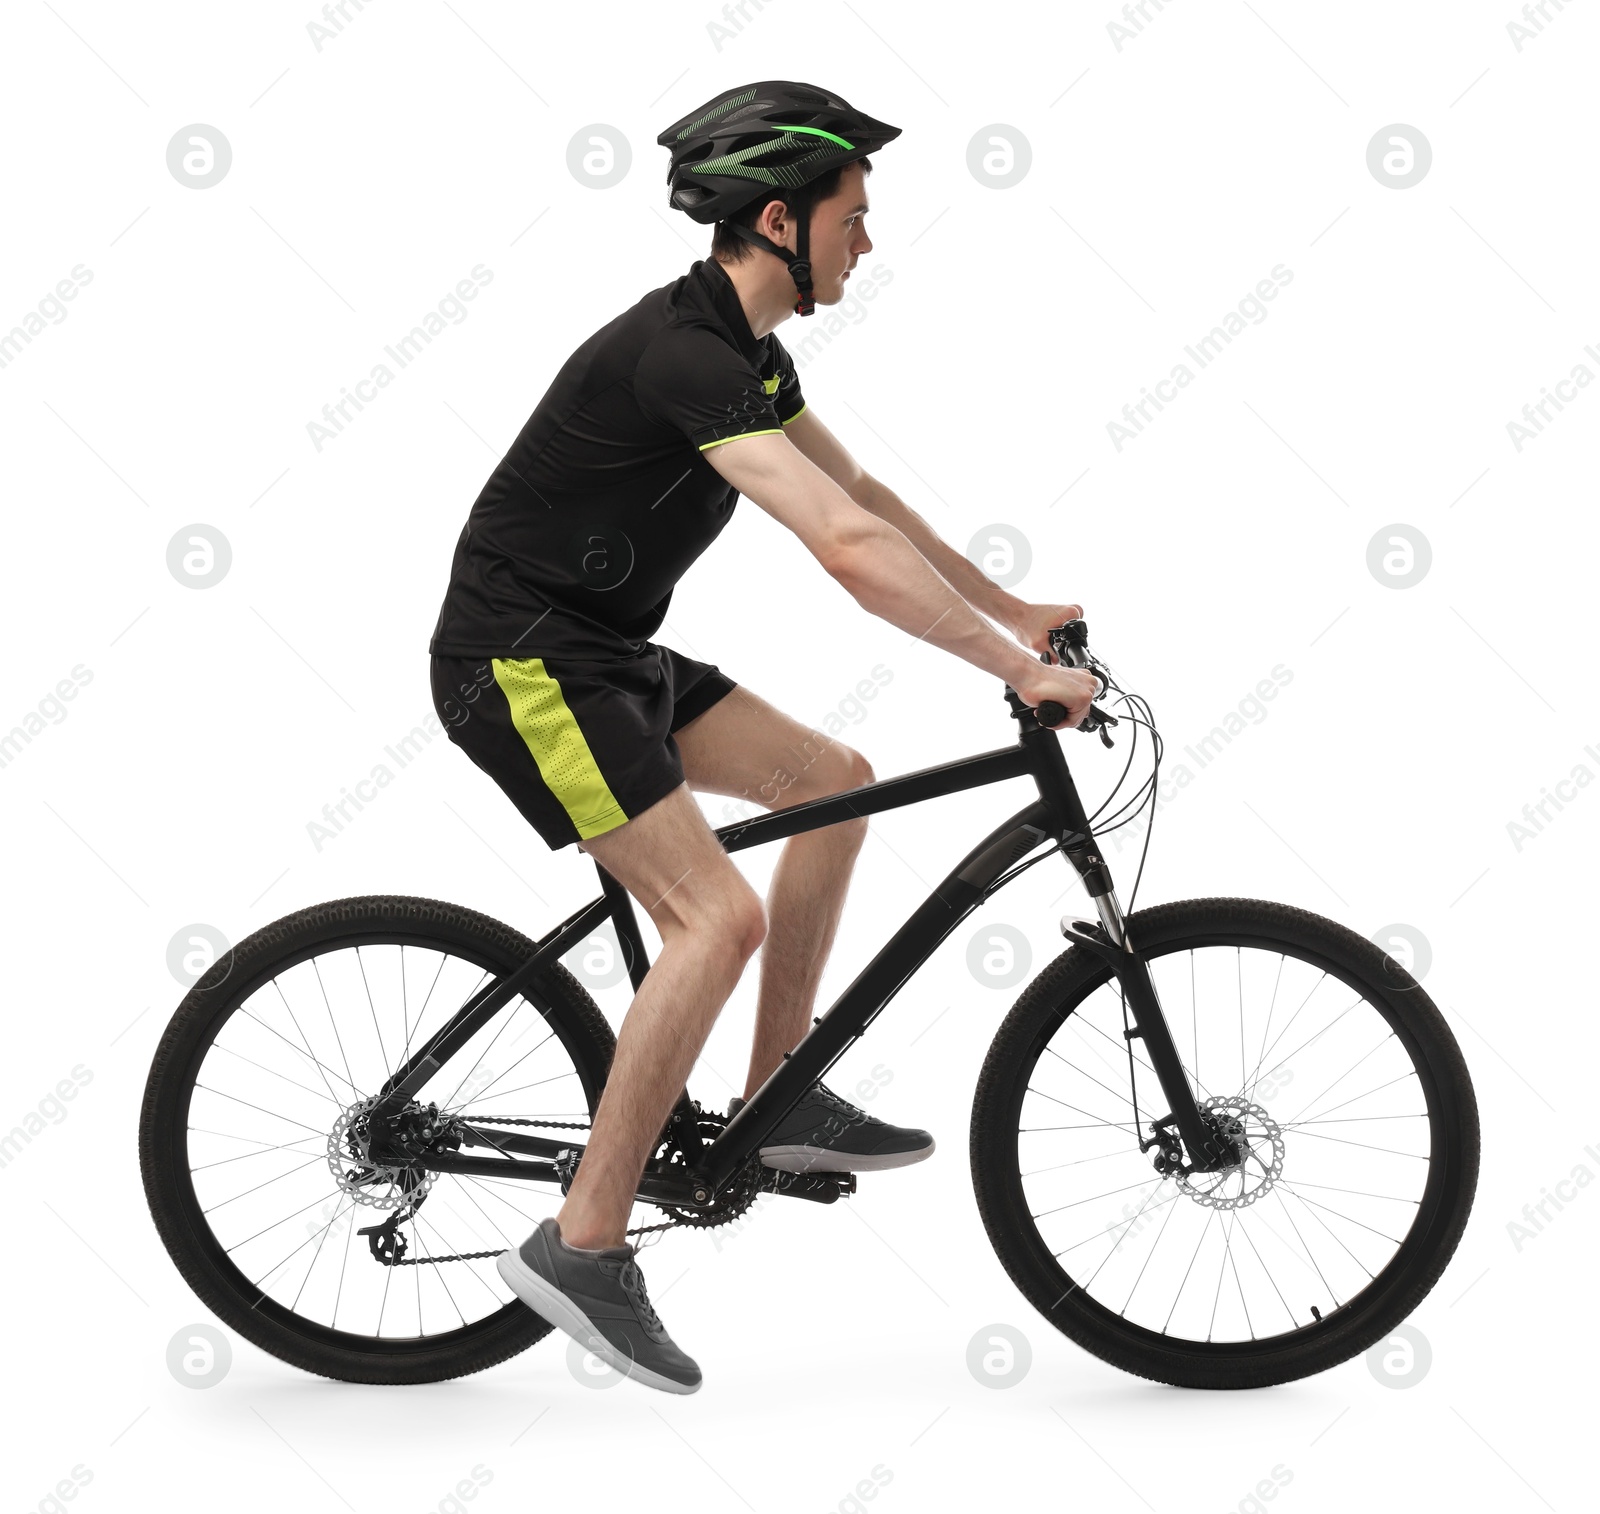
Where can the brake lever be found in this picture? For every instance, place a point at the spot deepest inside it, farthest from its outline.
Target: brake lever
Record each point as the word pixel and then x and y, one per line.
pixel 1097 719
pixel 1101 719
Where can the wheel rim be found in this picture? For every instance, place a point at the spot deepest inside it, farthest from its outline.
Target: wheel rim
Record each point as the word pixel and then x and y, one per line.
pixel 266 1113
pixel 1308 1063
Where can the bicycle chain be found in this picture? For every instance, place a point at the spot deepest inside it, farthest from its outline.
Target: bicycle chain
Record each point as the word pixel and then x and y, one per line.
pixel 741 1194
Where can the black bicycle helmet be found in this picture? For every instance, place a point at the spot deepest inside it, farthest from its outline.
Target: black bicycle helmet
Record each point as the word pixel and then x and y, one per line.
pixel 759 137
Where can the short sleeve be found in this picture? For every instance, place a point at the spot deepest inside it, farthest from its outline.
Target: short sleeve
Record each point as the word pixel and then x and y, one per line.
pixel 693 381
pixel 787 400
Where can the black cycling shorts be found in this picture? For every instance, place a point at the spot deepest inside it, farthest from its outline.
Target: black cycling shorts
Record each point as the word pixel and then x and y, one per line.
pixel 579 746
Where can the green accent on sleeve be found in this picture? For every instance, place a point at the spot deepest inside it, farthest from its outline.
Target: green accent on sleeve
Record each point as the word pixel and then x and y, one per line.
pixel 770 431
pixel 796 416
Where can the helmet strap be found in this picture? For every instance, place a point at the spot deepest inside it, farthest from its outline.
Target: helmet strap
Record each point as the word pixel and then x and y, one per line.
pixel 798 201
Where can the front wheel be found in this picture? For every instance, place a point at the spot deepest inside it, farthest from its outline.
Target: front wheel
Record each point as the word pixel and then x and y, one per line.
pixel 1355 1128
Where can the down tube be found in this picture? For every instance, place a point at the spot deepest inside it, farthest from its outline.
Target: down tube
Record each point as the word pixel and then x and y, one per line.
pixel 878 982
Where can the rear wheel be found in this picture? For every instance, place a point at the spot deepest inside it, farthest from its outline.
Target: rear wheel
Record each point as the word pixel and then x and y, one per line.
pixel 249 1135
pixel 1355 1130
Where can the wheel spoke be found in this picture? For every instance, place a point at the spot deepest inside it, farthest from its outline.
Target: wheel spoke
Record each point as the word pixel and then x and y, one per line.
pixel 1255 1075
pixel 1305 1109
pixel 286 1078
pixel 1094 1198
pixel 277 1077
pixel 1115 1093
pixel 483 1092
pixel 1215 1268
pixel 259 1186
pixel 343 1055
pixel 1399 1078
pixel 1127 1125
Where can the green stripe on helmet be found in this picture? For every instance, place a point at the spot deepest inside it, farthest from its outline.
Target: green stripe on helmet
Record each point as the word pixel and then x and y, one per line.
pixel 719 110
pixel 817 131
pixel 789 175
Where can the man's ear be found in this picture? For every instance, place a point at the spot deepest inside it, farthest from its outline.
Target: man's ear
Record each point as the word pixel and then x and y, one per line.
pixel 775 222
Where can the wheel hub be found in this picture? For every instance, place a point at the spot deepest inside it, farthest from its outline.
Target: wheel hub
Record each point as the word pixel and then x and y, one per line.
pixel 379 1184
pixel 1257 1144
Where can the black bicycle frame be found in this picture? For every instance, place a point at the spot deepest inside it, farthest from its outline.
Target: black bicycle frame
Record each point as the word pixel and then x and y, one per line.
pixel 1056 817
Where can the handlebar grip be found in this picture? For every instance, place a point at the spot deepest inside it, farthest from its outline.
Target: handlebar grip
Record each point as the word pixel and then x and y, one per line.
pixel 1050 713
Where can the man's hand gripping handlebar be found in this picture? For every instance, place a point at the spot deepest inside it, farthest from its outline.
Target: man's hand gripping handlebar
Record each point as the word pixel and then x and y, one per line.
pixel 1070 644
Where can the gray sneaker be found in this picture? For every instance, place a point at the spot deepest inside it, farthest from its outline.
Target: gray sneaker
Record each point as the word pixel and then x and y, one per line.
pixel 598 1298
pixel 824 1133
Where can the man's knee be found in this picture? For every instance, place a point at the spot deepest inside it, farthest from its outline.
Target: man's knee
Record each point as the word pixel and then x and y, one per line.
pixel 750 922
pixel 841 768
pixel 729 913
pixel 860 770
pixel 737 919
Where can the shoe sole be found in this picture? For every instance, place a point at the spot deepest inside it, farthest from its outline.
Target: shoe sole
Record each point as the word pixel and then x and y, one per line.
pixel 803 1159
pixel 550 1303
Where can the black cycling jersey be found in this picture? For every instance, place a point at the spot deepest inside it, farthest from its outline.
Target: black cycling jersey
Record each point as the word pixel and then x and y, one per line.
pixel 605 498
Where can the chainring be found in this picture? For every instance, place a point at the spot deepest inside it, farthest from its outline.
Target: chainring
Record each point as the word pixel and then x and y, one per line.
pixel 734 1200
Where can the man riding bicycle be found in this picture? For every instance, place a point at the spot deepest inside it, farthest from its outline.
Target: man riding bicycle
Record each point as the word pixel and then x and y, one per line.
pixel 544 674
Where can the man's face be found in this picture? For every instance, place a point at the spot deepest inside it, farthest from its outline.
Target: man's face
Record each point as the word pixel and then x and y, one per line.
pixel 838 235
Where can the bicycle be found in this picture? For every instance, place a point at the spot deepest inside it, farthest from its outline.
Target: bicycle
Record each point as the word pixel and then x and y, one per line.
pixel 1218 1243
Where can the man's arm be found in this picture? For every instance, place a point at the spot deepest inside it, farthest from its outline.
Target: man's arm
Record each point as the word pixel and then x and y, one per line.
pixel 829 454
pixel 884 572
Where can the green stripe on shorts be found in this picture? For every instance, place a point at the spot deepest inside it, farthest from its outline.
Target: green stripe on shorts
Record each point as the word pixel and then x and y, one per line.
pixel 543 720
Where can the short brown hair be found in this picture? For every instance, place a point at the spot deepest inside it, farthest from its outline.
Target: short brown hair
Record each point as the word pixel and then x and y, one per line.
pixel 728 247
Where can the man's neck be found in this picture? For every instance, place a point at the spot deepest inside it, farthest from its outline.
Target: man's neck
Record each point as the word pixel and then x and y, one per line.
pixel 766 293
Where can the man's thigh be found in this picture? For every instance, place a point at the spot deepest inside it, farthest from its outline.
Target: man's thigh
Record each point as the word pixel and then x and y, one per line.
pixel 746 748
pixel 668 858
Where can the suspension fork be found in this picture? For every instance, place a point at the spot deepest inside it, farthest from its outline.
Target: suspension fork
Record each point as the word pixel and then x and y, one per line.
pixel 1109 940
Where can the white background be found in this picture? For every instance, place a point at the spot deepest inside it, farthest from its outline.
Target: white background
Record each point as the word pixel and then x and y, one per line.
pixel 1229 537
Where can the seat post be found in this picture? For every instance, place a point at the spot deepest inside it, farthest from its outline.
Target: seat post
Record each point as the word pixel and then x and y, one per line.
pixel 627 927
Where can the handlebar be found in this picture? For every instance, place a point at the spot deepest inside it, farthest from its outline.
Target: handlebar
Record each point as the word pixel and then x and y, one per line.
pixel 1070 643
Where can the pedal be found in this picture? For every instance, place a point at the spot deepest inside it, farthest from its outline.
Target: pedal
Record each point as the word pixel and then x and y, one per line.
pixel 818 1187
